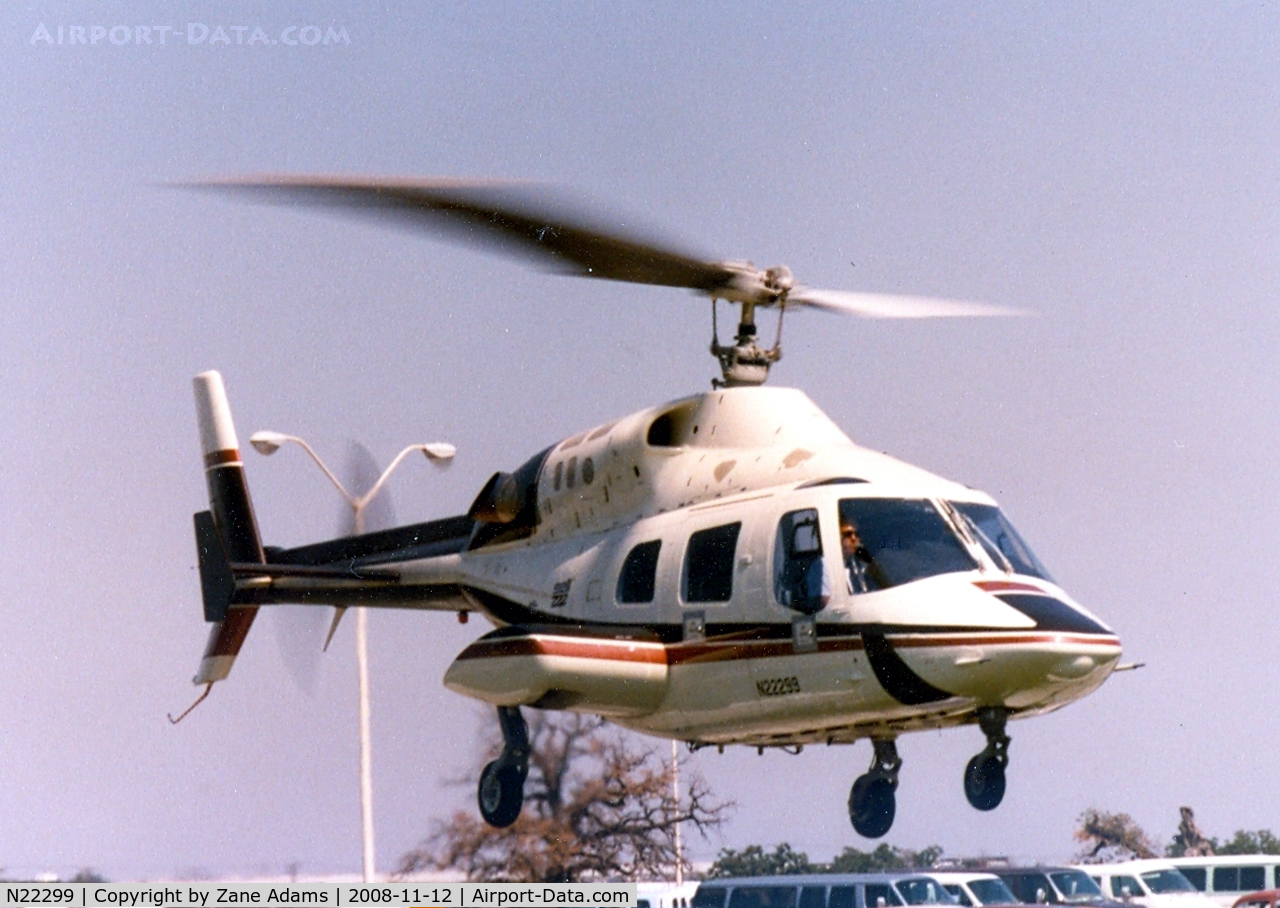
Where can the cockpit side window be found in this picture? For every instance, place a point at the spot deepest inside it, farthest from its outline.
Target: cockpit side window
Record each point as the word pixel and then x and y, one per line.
pixel 799 578
pixel 708 564
pixel 636 581
pixel 887 542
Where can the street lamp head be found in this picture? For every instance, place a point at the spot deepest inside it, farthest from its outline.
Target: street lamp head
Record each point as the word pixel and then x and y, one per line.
pixel 267 442
pixel 439 452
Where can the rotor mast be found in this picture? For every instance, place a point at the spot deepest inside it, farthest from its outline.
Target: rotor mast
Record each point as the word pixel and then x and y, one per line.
pixel 745 363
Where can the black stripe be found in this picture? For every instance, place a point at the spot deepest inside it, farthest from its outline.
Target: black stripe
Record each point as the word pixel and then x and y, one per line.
pixel 895 676
pixel 1051 614
pixel 233 513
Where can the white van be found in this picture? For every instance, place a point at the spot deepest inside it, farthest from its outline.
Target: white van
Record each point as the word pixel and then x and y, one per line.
pixel 1226 877
pixel 975 890
pixel 1153 883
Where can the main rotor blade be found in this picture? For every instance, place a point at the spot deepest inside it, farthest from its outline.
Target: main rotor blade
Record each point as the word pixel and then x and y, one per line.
pixel 504 212
pixel 886 305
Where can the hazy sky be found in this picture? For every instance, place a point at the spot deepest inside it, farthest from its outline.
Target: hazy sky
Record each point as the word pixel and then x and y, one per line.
pixel 1112 168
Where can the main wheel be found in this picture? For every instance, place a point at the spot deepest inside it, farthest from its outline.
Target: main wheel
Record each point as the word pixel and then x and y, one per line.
pixel 984 782
pixel 872 805
pixel 501 794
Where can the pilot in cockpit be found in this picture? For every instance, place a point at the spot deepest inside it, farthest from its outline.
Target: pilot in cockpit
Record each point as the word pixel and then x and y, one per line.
pixel 862 573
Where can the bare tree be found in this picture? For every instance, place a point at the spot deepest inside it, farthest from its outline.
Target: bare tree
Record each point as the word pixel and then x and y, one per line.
pixel 1113 837
pixel 597 806
pixel 1189 841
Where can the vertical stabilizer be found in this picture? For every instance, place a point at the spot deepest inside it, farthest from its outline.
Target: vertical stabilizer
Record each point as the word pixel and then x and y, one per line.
pixel 232 516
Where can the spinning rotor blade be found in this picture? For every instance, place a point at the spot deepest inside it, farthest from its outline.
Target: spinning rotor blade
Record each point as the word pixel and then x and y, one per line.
pixel 521 217
pixel 885 305
pixel 504 212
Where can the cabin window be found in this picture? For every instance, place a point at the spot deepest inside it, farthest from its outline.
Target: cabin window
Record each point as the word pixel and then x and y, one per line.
pixel 708 565
pixel 555 482
pixel 887 542
pixel 763 897
pixel 799 580
pixel 1198 877
pixel 588 471
pixel 571 473
pixel 637 579
pixel 843 897
pixel 709 897
pixel 1238 879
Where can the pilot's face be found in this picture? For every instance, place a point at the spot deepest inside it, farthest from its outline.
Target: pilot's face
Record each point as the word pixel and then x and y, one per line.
pixel 849 540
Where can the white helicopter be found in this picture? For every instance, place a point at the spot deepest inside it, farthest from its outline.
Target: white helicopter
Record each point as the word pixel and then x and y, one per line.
pixel 728 568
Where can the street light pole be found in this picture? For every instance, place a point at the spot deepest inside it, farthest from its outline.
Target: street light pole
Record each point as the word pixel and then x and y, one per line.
pixel 437 452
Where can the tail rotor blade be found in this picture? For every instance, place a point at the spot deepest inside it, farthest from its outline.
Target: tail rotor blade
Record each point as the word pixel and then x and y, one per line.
pixel 359 476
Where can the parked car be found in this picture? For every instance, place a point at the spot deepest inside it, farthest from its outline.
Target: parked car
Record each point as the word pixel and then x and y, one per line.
pixel 1268 898
pixel 1054 886
pixel 1152 883
pixel 976 890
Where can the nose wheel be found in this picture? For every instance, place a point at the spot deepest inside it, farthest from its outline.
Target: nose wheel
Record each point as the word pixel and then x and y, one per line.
pixel 501 790
pixel 872 802
pixel 984 780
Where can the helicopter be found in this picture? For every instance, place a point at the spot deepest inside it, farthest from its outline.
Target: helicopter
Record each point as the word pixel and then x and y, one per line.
pixel 729 568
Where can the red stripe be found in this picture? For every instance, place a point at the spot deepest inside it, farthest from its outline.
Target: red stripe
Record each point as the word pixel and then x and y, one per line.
pixel 219 458
pixel 622 651
pixel 1007 586
pixel 729 650
pixel 227 638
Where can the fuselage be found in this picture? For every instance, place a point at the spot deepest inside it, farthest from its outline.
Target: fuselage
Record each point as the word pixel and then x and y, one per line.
pixel 682 570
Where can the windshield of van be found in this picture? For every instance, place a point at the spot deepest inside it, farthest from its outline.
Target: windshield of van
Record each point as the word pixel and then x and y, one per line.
pixel 887 542
pixel 992 892
pixel 1075 886
pixel 1000 539
pixel 924 891
pixel 1170 880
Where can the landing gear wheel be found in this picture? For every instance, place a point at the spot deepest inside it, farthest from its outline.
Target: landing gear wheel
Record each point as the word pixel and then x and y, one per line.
pixel 501 794
pixel 501 790
pixel 872 805
pixel 872 802
pixel 984 776
pixel 984 781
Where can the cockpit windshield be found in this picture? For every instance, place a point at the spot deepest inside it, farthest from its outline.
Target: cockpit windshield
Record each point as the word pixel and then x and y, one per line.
pixel 1075 886
pixel 924 891
pixel 887 542
pixel 1167 880
pixel 1000 539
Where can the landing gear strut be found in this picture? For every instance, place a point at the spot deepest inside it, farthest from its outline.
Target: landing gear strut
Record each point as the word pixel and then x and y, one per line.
pixel 872 802
pixel 501 792
pixel 984 776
